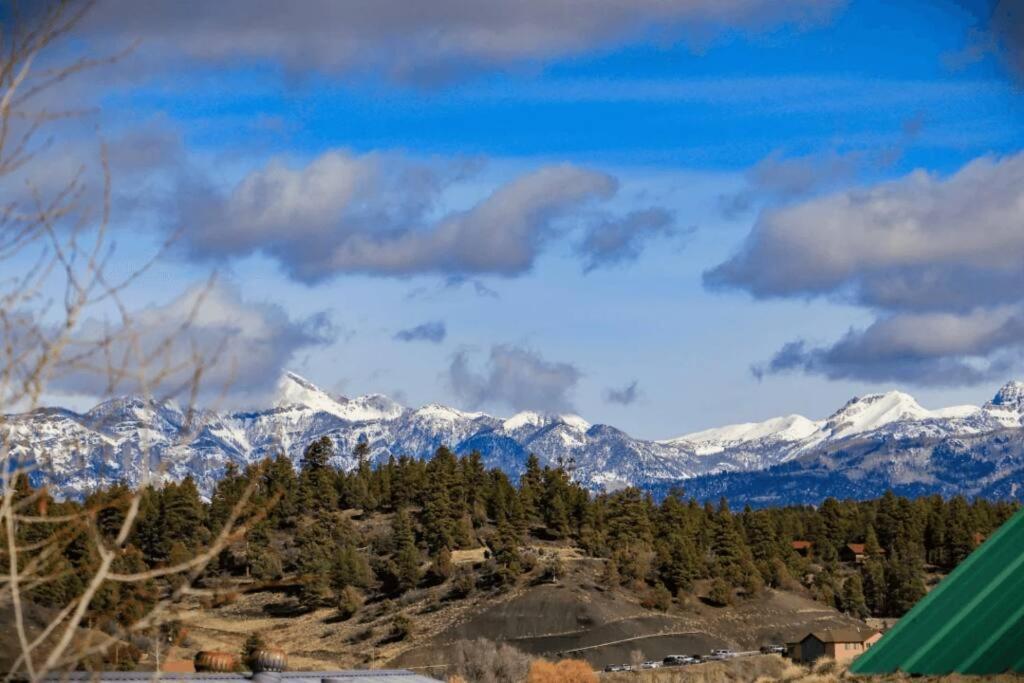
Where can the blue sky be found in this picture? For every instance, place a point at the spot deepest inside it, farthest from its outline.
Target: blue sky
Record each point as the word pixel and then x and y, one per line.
pixel 685 136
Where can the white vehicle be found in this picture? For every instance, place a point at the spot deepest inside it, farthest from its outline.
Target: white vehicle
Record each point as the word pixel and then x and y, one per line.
pixel 651 664
pixel 722 654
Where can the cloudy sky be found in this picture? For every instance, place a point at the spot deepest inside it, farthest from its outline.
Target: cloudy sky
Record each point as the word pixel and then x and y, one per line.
pixel 660 214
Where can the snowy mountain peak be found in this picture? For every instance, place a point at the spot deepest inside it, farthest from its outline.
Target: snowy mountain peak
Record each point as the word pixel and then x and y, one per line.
pixel 788 428
pixel 436 411
pixel 296 391
pixel 867 413
pixel 137 408
pixel 575 421
pixel 124 438
pixel 1007 406
pixel 526 418
pixel 1010 395
pixel 372 407
pixel 533 419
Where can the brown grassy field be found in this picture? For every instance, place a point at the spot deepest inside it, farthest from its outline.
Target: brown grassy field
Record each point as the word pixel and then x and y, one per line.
pixel 572 617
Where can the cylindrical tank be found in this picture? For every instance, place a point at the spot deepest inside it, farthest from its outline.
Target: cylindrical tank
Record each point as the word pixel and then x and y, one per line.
pixel 213 661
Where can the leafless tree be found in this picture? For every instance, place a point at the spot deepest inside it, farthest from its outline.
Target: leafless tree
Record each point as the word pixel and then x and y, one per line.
pixel 483 661
pixel 55 268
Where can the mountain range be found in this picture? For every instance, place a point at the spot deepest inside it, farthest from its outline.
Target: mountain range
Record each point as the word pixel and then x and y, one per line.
pixel 869 445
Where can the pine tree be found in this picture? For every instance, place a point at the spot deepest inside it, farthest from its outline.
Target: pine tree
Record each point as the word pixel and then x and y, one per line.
pixel 314 544
pixel 280 486
pixel 874 588
pixel 505 553
pixel 731 559
pixel 679 563
pixel 317 489
pixel 853 597
pixel 904 580
pixel 959 540
pixel 530 488
pixel 406 554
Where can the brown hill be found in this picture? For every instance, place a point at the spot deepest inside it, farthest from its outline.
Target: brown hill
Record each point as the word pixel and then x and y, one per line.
pixel 572 616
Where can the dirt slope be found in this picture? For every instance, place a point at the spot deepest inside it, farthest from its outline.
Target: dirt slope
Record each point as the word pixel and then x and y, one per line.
pixel 572 617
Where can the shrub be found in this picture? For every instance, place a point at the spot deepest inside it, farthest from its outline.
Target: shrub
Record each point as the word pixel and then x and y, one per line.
pixel 401 627
pixel 349 601
pixel 267 565
pixel 483 660
pixel 565 671
pixel 721 592
pixel 463 582
pixel 554 569
pixel 658 598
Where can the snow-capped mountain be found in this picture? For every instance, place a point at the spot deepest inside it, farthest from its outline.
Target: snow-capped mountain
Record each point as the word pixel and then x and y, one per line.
pixel 135 439
pixel 894 415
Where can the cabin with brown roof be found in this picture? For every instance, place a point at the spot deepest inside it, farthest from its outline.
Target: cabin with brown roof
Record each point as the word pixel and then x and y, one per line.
pixel 840 644
pixel 802 548
pixel 853 552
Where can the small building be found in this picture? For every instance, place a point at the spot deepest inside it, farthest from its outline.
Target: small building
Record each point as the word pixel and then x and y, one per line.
pixel 853 552
pixel 802 548
pixel 841 644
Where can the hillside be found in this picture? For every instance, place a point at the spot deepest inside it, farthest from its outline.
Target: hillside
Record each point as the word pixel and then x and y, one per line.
pixel 574 615
pixel 403 560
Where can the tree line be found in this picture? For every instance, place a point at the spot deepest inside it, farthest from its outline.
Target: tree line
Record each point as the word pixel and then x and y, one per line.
pixel 338 538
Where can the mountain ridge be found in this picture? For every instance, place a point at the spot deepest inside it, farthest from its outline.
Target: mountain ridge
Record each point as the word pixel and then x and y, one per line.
pixel 137 439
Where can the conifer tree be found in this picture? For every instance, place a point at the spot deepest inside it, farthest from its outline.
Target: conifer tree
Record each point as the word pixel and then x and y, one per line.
pixel 853 597
pixel 904 580
pixel 406 554
pixel 531 487
pixel 959 540
pixel 317 490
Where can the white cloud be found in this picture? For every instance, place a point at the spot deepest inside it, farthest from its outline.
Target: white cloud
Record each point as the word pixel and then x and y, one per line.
pixel 375 213
pixel 240 347
pixel 515 377
pixel 421 41
pixel 940 259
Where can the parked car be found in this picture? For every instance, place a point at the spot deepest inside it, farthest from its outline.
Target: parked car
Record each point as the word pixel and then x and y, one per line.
pixel 773 649
pixel 614 667
pixel 678 660
pixel 719 655
pixel 651 664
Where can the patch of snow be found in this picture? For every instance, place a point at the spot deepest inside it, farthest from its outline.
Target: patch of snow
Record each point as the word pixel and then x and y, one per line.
pixel 789 428
pixel 435 411
pixel 575 421
pixel 526 418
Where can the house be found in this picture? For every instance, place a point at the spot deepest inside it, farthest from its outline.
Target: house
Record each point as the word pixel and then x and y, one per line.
pixel 802 548
pixel 841 644
pixel 852 552
pixel 855 553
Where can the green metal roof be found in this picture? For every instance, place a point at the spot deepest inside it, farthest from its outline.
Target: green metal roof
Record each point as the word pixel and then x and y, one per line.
pixel 972 623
